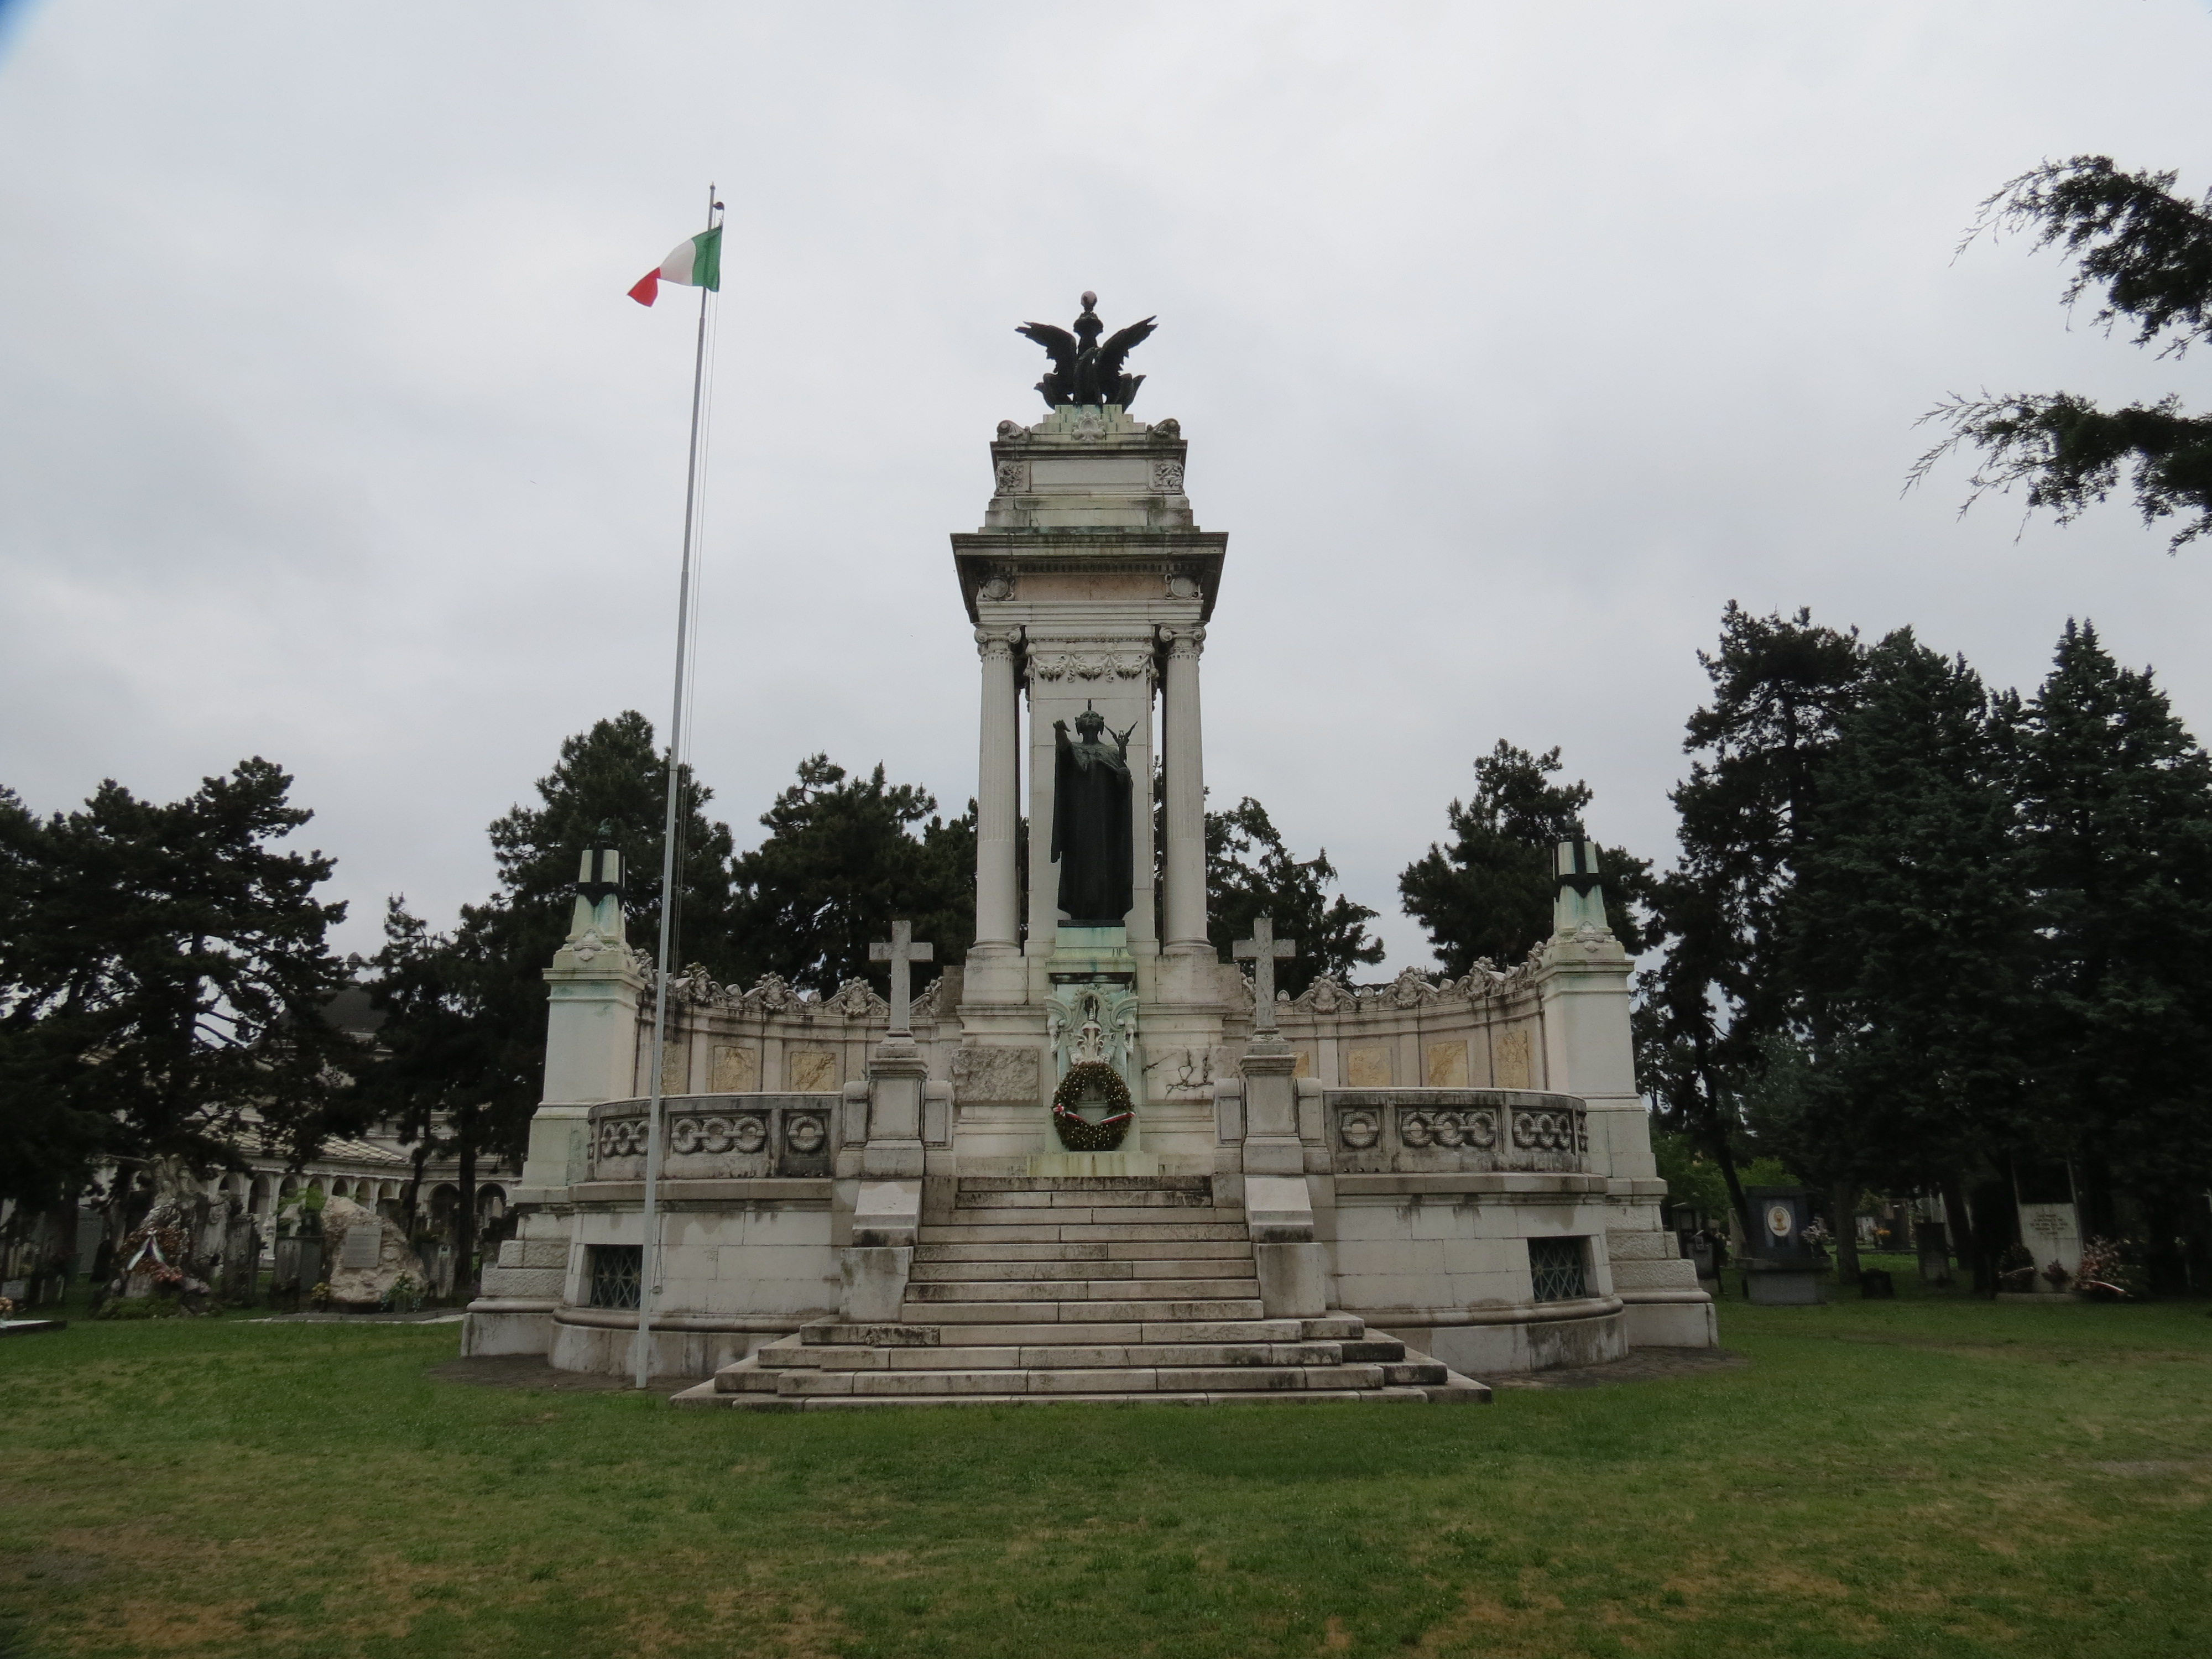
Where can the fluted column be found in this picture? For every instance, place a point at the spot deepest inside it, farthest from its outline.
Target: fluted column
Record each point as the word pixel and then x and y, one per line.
pixel 998 791
pixel 1185 905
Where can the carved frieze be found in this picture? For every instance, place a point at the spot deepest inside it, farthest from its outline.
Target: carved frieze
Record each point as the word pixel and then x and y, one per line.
pixel 1442 1131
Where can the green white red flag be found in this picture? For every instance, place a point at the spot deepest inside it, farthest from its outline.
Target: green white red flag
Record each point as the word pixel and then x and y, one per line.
pixel 696 263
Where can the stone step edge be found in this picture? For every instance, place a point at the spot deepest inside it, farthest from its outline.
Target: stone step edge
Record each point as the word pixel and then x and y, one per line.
pixel 703 1395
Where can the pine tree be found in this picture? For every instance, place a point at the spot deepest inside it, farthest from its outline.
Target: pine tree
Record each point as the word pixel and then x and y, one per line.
pixel 842 859
pixel 1907 934
pixel 1488 895
pixel 463 1041
pixel 2150 250
pixel 1250 871
pixel 166 971
pixel 1782 688
pixel 2118 802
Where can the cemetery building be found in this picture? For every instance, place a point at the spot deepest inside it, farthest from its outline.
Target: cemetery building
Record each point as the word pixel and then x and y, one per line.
pixel 1093 1160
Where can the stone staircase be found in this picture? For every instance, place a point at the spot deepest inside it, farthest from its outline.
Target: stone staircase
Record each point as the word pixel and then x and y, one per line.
pixel 1035 1289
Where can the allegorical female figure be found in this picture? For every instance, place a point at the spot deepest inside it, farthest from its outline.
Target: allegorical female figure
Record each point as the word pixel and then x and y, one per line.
pixel 1091 829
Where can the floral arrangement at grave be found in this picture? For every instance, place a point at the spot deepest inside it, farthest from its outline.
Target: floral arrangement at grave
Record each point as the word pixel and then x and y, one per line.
pixel 2105 1274
pixel 7 1307
pixel 405 1296
pixel 1092 1082
pixel 2056 1276
pixel 2016 1268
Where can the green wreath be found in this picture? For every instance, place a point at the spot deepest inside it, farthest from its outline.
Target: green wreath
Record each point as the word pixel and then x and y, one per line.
pixel 1078 1132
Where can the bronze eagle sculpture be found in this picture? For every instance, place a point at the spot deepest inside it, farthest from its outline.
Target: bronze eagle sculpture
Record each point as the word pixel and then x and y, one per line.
pixel 1086 370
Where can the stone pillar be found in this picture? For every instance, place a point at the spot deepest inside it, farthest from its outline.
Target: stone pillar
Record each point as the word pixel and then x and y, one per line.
pixel 1278 1203
pixel 887 1211
pixel 1181 745
pixel 998 788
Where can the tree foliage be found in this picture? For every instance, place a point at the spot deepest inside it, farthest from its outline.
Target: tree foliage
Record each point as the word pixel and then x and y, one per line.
pixel 1908 933
pixel 1487 895
pixel 1250 871
pixel 166 970
pixel 2150 251
pixel 2116 801
pixel 844 856
pixel 464 1043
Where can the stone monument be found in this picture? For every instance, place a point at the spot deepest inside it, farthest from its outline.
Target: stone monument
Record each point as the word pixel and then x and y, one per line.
pixel 1092 1159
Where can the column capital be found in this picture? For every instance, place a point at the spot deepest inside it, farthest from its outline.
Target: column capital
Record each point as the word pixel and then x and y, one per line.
pixel 998 642
pixel 1182 639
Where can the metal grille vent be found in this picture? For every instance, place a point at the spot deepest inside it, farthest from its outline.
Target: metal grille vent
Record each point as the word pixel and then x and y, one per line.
pixel 1555 1267
pixel 616 1271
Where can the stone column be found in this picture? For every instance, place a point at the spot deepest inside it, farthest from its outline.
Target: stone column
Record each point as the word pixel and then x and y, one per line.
pixel 1185 904
pixel 998 787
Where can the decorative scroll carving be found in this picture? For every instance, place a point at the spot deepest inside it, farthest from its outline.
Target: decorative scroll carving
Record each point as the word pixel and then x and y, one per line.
pixel 1183 641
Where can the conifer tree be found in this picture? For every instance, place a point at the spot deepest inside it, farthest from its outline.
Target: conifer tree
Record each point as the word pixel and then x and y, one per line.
pixel 1487 896
pixel 1250 870
pixel 1723 992
pixel 1907 935
pixel 843 857
pixel 166 966
pixel 2116 800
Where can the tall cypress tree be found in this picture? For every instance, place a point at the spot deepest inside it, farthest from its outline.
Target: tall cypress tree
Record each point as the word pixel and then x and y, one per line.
pixel 2117 800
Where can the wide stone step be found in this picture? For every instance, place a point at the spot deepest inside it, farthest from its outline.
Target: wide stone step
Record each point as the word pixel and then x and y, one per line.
pixel 1032 1230
pixel 1104 1250
pixel 1089 1379
pixel 1081 1272
pixel 1068 1355
pixel 756 1402
pixel 1061 1313
pixel 926 1293
pixel 1024 1335
pixel 1026 1183
pixel 1085 1198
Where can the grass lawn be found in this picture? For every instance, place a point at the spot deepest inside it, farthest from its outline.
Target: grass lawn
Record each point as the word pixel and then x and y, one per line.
pixel 1934 1475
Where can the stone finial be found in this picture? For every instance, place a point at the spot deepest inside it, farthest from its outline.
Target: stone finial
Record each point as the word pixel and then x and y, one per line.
pixel 1579 901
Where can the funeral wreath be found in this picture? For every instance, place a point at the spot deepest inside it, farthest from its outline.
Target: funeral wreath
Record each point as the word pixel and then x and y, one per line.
pixel 1093 1080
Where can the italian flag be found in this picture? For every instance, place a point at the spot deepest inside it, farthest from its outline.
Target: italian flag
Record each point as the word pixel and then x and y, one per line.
pixel 695 263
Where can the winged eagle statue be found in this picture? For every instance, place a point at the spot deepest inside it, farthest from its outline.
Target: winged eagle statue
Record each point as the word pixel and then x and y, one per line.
pixel 1084 369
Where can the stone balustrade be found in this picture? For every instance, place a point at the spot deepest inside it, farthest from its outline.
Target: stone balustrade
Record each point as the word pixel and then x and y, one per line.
pixel 1452 1131
pixel 718 1137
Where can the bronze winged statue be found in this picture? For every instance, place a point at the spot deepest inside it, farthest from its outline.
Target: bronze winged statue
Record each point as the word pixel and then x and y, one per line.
pixel 1084 369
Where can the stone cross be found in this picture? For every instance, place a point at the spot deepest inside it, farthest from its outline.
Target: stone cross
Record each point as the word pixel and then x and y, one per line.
pixel 1263 950
pixel 902 952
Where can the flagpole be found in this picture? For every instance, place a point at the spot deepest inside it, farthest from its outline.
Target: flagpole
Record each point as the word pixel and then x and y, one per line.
pixel 648 1283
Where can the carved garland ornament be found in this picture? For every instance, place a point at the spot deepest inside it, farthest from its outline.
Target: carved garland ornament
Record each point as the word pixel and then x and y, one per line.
pixel 1090 664
pixel 1093 1081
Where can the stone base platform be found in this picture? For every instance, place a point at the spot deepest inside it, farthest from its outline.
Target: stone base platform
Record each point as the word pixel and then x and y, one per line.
pixel 1031 1289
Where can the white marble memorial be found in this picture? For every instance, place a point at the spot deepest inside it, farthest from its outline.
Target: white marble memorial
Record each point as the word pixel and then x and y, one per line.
pixel 1360 1191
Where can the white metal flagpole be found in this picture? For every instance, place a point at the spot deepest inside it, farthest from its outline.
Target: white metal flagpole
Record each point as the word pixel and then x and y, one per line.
pixel 648 1283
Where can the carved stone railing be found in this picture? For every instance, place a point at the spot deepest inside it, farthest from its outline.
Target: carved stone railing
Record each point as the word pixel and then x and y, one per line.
pixel 1447 1131
pixel 718 1137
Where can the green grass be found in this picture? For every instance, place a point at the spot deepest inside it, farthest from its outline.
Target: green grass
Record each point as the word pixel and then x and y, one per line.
pixel 1932 1476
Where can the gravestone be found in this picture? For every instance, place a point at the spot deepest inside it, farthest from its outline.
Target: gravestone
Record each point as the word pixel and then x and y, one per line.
pixel 1781 1266
pixel 1933 1240
pixel 367 1255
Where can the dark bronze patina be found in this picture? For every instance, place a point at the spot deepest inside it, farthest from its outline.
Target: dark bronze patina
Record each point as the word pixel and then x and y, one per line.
pixel 1091 829
pixel 1084 370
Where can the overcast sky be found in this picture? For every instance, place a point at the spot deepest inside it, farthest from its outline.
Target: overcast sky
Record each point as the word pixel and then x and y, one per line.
pixel 1511 342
